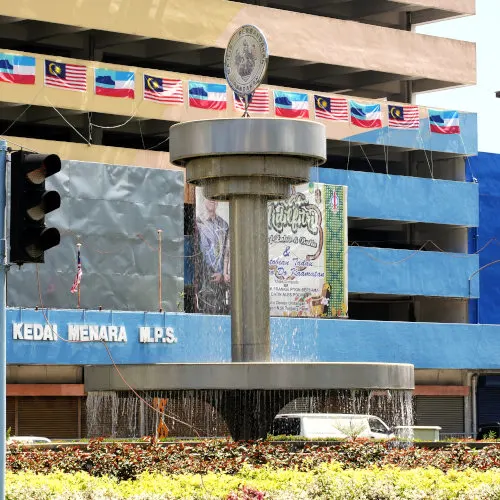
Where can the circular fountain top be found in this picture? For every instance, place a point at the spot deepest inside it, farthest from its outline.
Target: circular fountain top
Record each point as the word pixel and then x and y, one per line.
pixel 248 136
pixel 245 376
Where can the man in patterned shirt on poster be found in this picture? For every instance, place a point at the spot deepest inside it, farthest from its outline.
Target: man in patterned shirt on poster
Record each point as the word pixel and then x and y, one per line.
pixel 211 269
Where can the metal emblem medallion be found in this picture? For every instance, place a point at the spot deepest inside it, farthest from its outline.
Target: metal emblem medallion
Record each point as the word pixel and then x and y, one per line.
pixel 246 59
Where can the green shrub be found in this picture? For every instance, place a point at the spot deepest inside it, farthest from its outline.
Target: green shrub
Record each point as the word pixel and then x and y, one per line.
pixel 126 460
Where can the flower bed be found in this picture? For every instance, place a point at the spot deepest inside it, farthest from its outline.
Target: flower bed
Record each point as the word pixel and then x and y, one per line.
pixel 328 481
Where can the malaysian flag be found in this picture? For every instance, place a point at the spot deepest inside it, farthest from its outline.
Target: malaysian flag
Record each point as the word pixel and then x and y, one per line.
pixel 165 90
pixel 331 108
pixel 65 76
pixel 78 277
pixel 404 117
pixel 258 102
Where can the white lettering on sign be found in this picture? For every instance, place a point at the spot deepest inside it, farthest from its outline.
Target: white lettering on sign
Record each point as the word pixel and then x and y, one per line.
pixel 34 331
pixel 96 333
pixel 157 335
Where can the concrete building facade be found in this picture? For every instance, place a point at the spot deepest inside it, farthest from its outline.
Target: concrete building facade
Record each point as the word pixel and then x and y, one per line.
pixel 411 275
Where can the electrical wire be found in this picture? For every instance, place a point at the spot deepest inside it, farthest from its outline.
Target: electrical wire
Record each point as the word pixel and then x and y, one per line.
pixel 348 155
pixel 14 121
pixel 431 167
pixel 115 366
pixel 69 123
pixel 9 140
pixel 467 159
pixel 367 159
pixel 142 136
pixel 160 143
pixel 22 112
pixel 128 120
pixel 420 249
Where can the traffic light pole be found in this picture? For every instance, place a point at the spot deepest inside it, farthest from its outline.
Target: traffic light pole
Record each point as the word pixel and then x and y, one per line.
pixel 3 326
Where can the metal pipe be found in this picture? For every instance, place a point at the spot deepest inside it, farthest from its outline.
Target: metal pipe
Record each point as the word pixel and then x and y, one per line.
pixel 249 279
pixel 78 246
pixel 159 231
pixel 474 404
pixel 3 329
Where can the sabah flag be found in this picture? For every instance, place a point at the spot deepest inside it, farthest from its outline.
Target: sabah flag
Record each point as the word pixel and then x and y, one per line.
pixel 207 95
pixel 366 115
pixel 291 104
pixel 17 69
pixel 114 83
pixel 444 122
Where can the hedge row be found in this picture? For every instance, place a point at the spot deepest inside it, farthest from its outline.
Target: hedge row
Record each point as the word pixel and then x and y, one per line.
pixel 126 461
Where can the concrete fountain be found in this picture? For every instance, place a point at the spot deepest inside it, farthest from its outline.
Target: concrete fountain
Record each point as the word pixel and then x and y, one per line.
pixel 249 161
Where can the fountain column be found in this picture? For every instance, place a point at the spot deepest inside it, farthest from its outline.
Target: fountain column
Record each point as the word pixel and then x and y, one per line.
pixel 249 293
pixel 248 161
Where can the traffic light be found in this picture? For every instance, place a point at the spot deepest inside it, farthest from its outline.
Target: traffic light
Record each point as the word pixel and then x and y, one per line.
pixel 29 202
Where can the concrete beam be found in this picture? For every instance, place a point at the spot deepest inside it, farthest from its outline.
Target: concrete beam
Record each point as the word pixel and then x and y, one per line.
pixel 349 43
pixel 38 31
pixel 360 79
pixel 107 40
pixel 155 48
pixel 9 20
pixel 359 9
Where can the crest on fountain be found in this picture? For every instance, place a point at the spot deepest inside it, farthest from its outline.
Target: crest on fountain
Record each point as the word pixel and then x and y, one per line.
pixel 245 59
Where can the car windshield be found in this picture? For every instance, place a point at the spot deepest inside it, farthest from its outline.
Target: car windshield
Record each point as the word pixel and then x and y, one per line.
pixel 376 425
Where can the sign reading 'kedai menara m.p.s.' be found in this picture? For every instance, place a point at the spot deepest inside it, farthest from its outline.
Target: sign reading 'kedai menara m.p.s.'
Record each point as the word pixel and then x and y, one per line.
pixel 307 253
pixel 91 333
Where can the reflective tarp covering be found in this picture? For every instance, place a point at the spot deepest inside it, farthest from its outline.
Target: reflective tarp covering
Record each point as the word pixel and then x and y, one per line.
pixel 114 212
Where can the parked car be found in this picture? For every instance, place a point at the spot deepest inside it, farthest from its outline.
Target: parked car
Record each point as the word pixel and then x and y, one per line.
pixel 331 425
pixel 28 440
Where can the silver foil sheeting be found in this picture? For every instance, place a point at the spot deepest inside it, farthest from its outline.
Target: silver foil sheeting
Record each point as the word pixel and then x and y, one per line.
pixel 114 211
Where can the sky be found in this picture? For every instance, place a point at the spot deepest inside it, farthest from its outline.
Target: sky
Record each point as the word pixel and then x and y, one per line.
pixel 480 98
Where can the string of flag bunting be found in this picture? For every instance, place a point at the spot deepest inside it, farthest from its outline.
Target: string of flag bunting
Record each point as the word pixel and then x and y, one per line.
pixel 20 69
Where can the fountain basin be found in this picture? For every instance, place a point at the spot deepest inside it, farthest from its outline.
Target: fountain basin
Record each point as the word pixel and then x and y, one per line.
pixel 251 136
pixel 248 376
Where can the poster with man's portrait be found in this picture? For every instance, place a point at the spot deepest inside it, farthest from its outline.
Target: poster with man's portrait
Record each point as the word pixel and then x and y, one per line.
pixel 211 262
pixel 307 253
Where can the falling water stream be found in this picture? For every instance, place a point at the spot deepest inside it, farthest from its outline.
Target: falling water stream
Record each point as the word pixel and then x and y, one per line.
pixel 191 413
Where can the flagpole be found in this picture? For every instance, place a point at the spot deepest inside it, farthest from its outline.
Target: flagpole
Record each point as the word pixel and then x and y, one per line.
pixel 3 325
pixel 78 247
pixel 159 231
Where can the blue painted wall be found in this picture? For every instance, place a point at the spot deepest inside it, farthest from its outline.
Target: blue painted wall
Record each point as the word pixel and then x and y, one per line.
pixel 486 169
pixel 402 272
pixel 410 272
pixel 207 339
pixel 395 197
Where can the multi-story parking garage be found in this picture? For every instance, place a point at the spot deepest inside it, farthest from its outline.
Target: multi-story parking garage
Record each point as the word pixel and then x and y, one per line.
pixel 410 276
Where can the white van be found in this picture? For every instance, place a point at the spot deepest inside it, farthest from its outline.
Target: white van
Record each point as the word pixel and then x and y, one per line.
pixel 331 425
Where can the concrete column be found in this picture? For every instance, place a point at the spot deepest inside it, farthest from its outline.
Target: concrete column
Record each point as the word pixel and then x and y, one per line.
pixel 249 279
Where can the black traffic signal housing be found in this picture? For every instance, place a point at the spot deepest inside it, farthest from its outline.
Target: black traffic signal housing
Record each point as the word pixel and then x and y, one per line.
pixel 29 203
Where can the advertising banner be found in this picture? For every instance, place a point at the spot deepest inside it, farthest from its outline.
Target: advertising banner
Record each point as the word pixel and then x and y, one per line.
pixel 307 253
